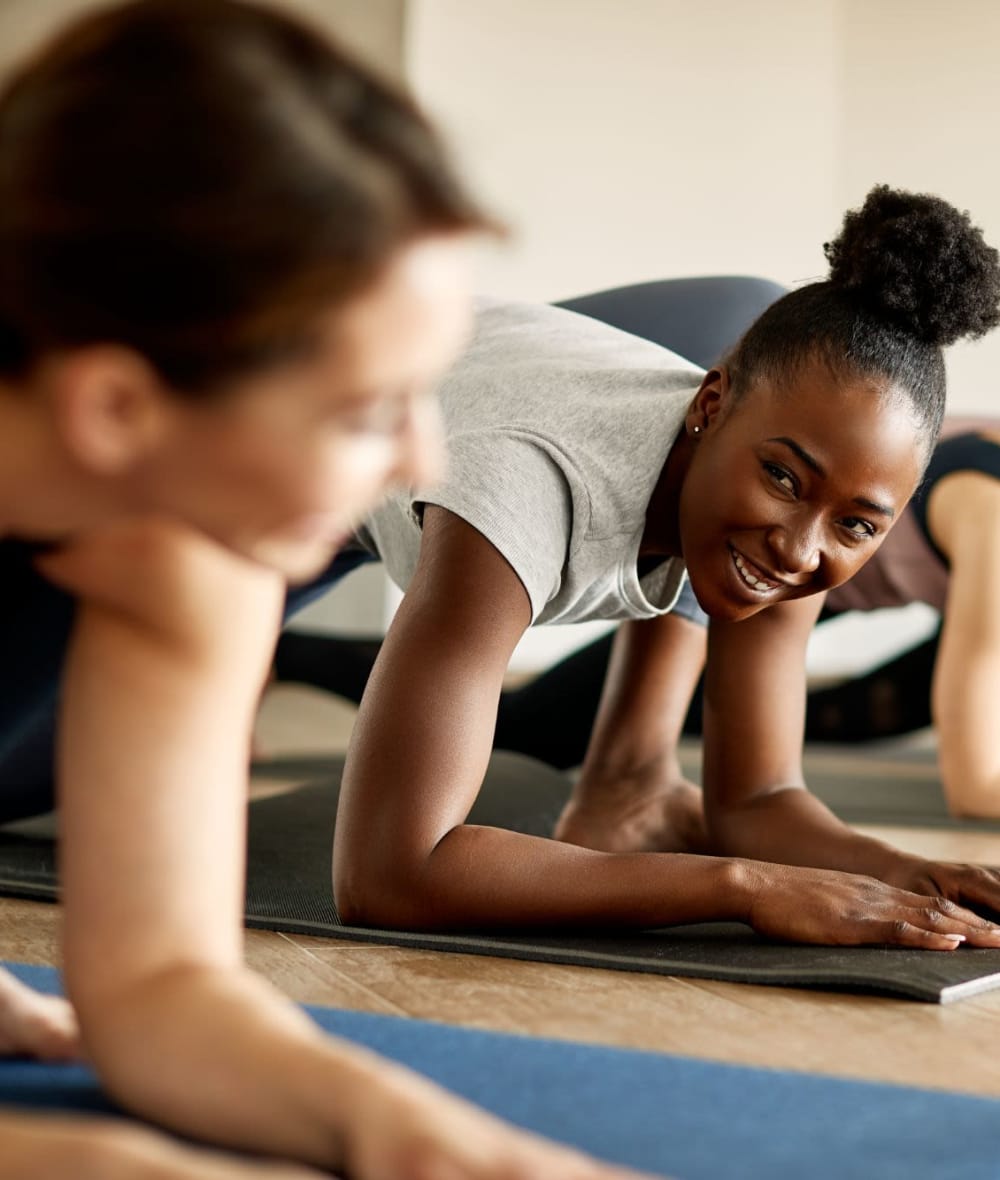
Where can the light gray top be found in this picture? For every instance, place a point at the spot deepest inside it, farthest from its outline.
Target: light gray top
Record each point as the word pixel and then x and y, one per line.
pixel 557 428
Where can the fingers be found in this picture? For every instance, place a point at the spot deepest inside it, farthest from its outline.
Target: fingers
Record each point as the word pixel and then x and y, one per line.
pixel 980 887
pixel 36 1025
pixel 943 914
pixel 936 924
pixel 50 1031
pixel 900 932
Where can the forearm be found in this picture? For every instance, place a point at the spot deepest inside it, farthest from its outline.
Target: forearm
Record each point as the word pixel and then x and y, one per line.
pixel 968 758
pixel 47 1148
pixel 488 877
pixel 654 668
pixel 756 803
pixel 791 826
pixel 219 1055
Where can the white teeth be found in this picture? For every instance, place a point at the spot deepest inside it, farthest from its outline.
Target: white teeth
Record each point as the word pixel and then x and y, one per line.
pixel 749 578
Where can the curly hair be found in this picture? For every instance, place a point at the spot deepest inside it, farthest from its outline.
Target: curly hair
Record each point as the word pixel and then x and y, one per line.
pixel 909 275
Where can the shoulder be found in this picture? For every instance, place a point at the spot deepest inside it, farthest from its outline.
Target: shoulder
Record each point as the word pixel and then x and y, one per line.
pixel 545 333
pixel 963 513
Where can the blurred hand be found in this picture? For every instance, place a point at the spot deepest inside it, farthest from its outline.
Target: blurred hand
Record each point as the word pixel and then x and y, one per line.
pixel 51 1148
pixel 33 1025
pixel 405 1128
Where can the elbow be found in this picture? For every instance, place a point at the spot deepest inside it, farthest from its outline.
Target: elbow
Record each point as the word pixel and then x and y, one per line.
pixel 367 891
pixel 428 884
pixel 360 901
pixel 121 1019
pixel 974 801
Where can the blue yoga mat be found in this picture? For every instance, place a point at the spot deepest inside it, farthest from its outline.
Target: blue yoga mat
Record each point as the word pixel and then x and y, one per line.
pixel 693 1120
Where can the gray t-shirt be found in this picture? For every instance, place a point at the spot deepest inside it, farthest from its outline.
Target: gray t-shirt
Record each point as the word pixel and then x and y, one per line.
pixel 557 430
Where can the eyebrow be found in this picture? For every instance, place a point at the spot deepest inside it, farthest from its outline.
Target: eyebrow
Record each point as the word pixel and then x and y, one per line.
pixel 812 462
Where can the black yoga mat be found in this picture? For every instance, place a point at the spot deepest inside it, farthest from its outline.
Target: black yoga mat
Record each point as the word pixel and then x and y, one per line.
pixel 882 783
pixel 288 888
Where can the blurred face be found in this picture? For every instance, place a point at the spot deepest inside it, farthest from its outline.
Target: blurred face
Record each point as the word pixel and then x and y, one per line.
pixel 789 491
pixel 283 467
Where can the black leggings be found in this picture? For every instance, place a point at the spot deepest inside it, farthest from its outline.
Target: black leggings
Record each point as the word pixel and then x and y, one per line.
pixel 35 626
pixel 551 717
pixel 892 699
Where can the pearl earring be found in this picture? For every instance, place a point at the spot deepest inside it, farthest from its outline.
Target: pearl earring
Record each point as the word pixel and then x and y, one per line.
pixel 696 430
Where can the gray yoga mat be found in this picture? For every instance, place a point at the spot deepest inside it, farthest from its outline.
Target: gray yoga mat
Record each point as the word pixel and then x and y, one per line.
pixel 884 783
pixel 288 889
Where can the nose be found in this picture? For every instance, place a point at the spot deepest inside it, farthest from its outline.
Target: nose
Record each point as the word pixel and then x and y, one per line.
pixel 421 456
pixel 796 547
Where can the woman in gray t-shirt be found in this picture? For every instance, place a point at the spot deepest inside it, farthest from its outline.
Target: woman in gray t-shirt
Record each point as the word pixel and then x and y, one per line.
pixel 771 479
pixel 943 552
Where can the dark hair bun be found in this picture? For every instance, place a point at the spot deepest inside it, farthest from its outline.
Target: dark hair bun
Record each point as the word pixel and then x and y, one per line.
pixel 918 263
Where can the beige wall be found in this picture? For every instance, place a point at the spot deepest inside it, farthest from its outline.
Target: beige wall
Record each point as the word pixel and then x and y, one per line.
pixel 372 27
pixel 630 139
pixel 921 99
pixel 640 138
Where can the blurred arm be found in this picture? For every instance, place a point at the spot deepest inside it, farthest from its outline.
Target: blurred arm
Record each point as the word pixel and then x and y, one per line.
pixel 964 516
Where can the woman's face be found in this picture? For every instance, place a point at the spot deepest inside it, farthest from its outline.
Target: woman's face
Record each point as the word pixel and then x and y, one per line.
pixel 790 490
pixel 283 467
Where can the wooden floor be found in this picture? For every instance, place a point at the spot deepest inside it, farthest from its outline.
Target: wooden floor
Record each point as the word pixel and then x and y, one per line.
pixel 853 1036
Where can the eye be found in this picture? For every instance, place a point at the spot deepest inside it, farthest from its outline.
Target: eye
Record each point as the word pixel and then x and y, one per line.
pixel 383 416
pixel 859 527
pixel 782 477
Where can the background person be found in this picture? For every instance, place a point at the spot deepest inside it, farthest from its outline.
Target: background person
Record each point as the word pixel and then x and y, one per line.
pixel 232 265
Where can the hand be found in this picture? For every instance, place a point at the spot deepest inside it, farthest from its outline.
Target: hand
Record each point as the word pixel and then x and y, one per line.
pixel 406 1128
pixel 33 1025
pixel 846 909
pixel 48 1148
pixel 647 811
pixel 968 885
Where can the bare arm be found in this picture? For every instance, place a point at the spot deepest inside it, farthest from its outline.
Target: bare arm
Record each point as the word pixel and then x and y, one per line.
pixel 964 514
pixel 755 798
pixel 631 793
pixel 152 768
pixel 158 705
pixel 52 1147
pixel 654 669
pixel 405 857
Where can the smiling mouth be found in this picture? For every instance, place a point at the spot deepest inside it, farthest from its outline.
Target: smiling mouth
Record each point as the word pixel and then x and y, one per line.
pixel 752 575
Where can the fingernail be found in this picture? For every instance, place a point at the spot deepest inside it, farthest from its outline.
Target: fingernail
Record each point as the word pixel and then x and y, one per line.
pixel 956 937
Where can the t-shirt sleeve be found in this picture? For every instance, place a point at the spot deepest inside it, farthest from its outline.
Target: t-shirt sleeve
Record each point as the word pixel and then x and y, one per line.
pixel 512 490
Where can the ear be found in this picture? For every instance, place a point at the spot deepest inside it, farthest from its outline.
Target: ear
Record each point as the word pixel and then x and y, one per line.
pixel 711 402
pixel 111 407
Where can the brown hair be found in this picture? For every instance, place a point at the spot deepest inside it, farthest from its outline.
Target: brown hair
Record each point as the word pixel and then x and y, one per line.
pixel 197 179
